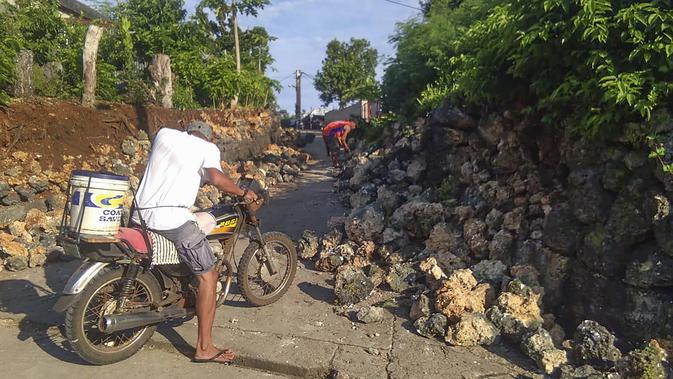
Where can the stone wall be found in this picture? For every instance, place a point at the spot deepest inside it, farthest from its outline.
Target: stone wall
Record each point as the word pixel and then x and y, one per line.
pixel 594 218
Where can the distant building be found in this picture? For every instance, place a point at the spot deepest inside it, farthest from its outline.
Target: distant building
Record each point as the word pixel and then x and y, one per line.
pixel 71 8
pixel 365 110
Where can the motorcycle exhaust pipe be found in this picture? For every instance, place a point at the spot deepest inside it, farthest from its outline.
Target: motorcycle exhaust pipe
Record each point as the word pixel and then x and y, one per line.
pixel 116 323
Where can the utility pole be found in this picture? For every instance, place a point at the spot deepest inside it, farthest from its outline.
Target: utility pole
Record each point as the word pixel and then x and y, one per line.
pixel 297 108
pixel 238 47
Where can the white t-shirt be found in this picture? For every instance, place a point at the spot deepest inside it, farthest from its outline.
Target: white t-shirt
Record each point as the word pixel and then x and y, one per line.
pixel 172 178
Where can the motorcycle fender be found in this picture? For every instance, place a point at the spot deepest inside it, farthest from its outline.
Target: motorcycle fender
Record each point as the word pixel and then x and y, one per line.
pixel 82 276
pixel 76 284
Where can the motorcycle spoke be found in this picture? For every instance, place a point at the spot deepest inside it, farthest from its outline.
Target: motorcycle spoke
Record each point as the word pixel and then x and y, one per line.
pixel 258 274
pixel 104 303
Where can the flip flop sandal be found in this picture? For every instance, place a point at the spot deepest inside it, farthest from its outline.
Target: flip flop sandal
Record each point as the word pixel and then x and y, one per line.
pixel 214 358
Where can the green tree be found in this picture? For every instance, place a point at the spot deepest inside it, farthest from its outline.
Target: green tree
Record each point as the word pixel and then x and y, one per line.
pixel 348 72
pixel 156 26
pixel 255 48
pixel 226 15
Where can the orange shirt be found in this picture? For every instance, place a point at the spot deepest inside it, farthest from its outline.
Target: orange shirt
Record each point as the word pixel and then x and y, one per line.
pixel 334 125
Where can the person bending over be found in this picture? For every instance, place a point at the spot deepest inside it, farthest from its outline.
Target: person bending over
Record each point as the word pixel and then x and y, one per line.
pixel 335 135
pixel 178 164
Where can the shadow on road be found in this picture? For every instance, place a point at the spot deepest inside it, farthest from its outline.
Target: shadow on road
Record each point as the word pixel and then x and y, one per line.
pixel 28 298
pixel 317 292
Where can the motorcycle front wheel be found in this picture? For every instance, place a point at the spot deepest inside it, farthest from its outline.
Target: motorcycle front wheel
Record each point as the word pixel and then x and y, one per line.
pixel 83 320
pixel 258 285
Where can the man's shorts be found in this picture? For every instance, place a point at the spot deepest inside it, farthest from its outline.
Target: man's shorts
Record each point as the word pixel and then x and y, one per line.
pixel 332 144
pixel 193 248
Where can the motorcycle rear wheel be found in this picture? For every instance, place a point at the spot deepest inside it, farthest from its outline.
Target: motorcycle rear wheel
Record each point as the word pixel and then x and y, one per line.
pixel 257 285
pixel 98 299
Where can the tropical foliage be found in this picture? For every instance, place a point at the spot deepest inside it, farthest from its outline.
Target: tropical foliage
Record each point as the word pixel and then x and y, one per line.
pixel 348 72
pixel 201 49
pixel 585 65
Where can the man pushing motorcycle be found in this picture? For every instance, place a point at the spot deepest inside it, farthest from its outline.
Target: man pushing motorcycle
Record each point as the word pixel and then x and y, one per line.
pixel 178 164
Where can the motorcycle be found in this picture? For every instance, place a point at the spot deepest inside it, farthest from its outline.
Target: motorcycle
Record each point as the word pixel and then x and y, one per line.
pixel 133 281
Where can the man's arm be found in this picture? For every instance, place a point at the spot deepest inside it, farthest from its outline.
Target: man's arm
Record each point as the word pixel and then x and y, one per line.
pixel 225 184
pixel 342 141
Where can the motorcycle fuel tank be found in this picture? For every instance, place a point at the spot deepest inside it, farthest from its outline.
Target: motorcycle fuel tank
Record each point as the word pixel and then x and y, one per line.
pixel 226 221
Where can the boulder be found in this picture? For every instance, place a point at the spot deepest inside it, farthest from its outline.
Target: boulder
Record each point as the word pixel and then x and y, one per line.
pixel 433 326
pixel 10 247
pixel 656 270
pixel 443 238
pixel 388 199
pixel 365 224
pixel 491 129
pixel 421 307
pixel 562 231
pixel 500 247
pixel 416 169
pixel 370 314
pixel 492 271
pixel 588 200
pixel 328 261
pixel 516 311
pixel 16 263
pixel 554 275
pixel 308 245
pixel 514 220
pixel 474 232
pixel 448 116
pixel 538 345
pixel 5 189
pixel 401 276
pixel 418 218
pixel 461 294
pixel 528 275
pixel 593 344
pixel 332 239
pixel 18 212
pixel 39 183
pixel 375 274
pixel 12 198
pixel 494 219
pixel 473 329
pixel 585 372
pixel 646 362
pixel 352 286
pixel 364 196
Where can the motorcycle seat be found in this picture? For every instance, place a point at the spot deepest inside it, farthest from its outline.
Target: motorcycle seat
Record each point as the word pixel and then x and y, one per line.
pixel 133 237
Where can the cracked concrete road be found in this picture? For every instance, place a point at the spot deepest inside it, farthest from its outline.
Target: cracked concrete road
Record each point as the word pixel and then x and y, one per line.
pixel 302 335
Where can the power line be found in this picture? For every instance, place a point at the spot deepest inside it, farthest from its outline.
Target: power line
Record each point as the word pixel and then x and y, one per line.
pixel 403 4
pixel 286 78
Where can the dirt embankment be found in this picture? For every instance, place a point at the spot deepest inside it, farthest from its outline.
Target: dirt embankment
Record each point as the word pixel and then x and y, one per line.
pixel 51 130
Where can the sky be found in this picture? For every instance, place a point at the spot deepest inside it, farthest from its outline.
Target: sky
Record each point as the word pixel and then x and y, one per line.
pixel 304 27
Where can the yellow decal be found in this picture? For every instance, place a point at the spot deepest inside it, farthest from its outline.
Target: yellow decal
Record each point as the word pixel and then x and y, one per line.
pixel 108 201
pixel 228 223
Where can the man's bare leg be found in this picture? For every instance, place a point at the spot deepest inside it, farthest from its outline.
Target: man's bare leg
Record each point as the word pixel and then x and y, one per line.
pixel 205 312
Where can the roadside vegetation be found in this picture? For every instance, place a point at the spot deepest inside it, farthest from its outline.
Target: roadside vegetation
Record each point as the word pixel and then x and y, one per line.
pixel 201 48
pixel 586 66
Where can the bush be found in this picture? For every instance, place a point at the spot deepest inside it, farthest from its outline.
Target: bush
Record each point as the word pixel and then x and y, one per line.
pixel 585 65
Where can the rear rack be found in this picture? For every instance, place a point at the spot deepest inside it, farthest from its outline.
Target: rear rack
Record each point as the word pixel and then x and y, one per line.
pixel 65 234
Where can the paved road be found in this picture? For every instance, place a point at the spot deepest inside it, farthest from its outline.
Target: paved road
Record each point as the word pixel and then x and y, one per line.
pixel 301 335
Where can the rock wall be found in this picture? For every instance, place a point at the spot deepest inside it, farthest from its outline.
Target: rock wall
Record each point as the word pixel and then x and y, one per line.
pixel 592 217
pixel 499 226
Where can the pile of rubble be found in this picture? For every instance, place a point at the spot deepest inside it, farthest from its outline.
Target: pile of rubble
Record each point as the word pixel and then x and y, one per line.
pixel 464 218
pixel 32 197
